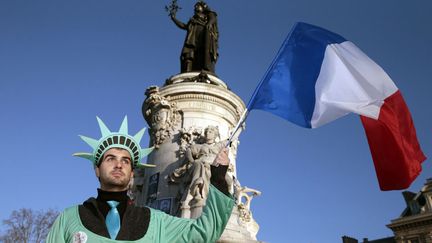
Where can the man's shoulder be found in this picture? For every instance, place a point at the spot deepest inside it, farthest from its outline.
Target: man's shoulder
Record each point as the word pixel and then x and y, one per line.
pixel 71 209
pixel 89 200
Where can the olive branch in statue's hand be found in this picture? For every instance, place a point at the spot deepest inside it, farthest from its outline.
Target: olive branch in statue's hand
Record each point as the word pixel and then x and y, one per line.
pixel 172 8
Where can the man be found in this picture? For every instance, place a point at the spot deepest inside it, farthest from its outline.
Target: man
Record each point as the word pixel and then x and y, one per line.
pixel 111 217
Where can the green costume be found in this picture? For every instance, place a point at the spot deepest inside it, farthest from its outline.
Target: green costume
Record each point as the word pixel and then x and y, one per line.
pixel 163 228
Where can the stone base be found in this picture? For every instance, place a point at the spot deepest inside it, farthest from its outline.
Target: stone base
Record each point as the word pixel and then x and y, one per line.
pixel 238 231
pixel 177 113
pixel 196 77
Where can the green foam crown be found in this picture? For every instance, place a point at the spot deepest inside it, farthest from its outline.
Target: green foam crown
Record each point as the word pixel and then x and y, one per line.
pixel 120 139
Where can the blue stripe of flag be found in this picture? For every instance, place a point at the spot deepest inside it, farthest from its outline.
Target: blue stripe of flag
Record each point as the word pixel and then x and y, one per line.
pixel 288 87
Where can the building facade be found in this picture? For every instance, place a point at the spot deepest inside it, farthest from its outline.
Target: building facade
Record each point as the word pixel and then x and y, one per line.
pixel 414 224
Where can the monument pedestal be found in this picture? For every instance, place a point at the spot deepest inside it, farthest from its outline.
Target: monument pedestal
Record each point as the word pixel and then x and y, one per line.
pixel 190 118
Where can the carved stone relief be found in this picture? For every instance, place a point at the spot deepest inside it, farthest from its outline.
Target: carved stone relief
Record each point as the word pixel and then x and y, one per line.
pixel 189 136
pixel 162 116
pixel 199 150
pixel 244 196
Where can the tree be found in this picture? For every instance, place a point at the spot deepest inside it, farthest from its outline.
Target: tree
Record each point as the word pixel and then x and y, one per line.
pixel 28 226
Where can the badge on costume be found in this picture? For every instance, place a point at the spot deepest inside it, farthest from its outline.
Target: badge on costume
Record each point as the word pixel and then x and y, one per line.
pixel 80 237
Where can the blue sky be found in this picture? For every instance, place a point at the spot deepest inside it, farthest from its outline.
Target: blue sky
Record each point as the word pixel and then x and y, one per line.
pixel 64 62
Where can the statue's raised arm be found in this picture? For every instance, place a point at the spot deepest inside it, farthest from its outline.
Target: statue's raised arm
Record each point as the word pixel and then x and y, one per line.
pixel 179 24
pixel 172 10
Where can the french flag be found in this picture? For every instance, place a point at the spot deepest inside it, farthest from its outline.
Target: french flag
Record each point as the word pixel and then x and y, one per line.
pixel 318 76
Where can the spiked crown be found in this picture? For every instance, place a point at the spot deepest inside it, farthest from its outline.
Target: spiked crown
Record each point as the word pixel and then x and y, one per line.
pixel 120 139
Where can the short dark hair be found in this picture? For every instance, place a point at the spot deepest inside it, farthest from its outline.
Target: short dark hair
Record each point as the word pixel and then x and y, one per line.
pixel 103 156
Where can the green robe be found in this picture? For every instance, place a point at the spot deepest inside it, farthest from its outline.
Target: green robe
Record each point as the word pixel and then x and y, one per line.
pixel 162 228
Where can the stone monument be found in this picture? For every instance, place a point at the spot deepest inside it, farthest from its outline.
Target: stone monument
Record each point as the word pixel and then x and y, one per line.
pixel 190 119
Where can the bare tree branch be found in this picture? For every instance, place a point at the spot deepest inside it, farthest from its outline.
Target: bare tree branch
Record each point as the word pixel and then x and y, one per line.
pixel 28 226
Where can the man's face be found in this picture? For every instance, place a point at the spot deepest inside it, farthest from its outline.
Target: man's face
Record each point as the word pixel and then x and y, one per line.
pixel 115 170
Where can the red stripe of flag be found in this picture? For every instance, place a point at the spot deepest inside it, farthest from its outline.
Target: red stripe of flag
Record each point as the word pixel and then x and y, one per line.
pixel 393 143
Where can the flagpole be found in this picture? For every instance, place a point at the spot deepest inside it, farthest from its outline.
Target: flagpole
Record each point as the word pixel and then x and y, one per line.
pixel 251 100
pixel 236 128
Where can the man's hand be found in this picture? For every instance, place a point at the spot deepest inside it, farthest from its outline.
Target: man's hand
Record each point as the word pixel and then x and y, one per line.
pixel 222 158
pixel 218 171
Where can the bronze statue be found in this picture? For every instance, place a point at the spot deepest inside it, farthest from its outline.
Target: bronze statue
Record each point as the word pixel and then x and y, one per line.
pixel 200 48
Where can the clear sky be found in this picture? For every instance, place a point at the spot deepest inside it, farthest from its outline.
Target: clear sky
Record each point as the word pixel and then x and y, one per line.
pixel 64 62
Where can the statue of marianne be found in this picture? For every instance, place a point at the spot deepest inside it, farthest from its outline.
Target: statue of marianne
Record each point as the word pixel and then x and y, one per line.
pixel 197 172
pixel 200 48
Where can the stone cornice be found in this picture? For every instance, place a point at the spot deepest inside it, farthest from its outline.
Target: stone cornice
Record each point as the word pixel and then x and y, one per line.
pixel 205 92
pixel 410 222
